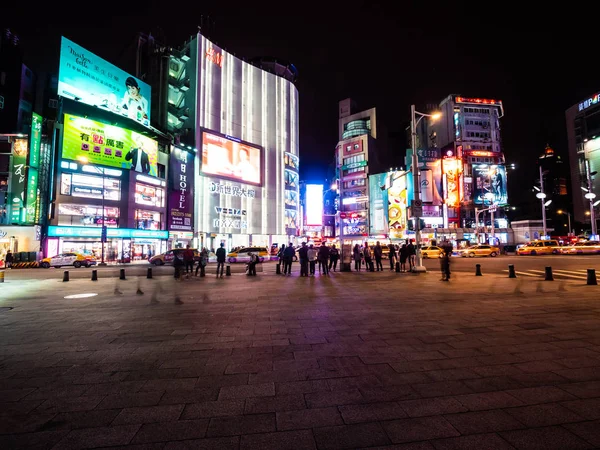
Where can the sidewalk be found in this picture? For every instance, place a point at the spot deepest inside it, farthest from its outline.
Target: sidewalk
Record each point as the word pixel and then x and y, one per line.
pixel 345 361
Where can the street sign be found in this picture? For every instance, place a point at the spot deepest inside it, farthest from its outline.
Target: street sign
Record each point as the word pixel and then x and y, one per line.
pixel 416 208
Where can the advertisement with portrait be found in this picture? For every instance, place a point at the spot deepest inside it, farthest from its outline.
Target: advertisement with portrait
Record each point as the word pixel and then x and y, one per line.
pixel 99 143
pixel 227 157
pixel 451 173
pixel 490 184
pixel 397 204
pixel 89 79
pixel 291 162
pixel 87 215
pixel 378 201
pixel 181 190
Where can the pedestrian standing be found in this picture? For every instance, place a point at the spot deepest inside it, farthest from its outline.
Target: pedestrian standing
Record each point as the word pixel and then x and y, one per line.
pixel 368 255
pixel 357 256
pixel 188 259
pixel 252 264
pixel 324 259
pixel 378 254
pixel 445 261
pixel 412 255
pixel 203 262
pixel 288 254
pixel 403 257
pixel 280 253
pixel 303 256
pixel 392 254
pixel 8 260
pixel 334 256
pixel 178 264
pixel 312 259
pixel 221 255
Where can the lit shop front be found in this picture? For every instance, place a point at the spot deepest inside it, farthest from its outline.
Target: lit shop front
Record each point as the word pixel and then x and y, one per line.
pixel 122 245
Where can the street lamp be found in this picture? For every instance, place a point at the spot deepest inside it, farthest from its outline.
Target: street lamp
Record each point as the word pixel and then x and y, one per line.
pixel 416 180
pixel 83 160
pixel 542 196
pixel 560 211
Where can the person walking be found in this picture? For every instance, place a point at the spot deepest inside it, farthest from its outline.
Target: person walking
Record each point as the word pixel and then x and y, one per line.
pixel 188 259
pixel 392 249
pixel 378 254
pixel 368 255
pixel 445 261
pixel 357 256
pixel 252 264
pixel 178 264
pixel 312 259
pixel 8 260
pixel 334 256
pixel 412 255
pixel 403 257
pixel 288 254
pixel 303 256
pixel 202 262
pixel 324 259
pixel 281 262
pixel 221 255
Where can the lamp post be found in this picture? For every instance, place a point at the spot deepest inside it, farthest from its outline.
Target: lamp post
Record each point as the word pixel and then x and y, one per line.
pixel 84 160
pixel 419 267
pixel 560 211
pixel 542 196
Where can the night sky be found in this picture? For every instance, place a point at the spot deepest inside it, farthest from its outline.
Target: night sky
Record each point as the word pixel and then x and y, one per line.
pixel 537 64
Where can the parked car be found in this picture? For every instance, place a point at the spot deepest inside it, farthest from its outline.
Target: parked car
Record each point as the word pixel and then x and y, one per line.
pixel 167 257
pixel 479 250
pixel 432 252
pixel 76 260
pixel 582 248
pixel 549 247
pixel 243 254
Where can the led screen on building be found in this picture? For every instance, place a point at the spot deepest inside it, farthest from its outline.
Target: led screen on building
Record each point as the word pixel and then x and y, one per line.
pixel 94 142
pixel 378 201
pixel 451 173
pixel 89 79
pixel 397 204
pixel 314 204
pixel 490 184
pixel 228 158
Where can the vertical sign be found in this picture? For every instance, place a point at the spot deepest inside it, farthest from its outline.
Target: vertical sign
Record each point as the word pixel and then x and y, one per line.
pixel 314 204
pixel 35 142
pixel 378 202
pixel 18 176
pixel 181 190
pixel 427 185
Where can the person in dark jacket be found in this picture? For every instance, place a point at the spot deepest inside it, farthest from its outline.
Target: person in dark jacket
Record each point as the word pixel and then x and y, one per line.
pixel 403 257
pixel 334 256
pixel 280 261
pixel 445 261
pixel 324 258
pixel 412 255
pixel 8 259
pixel 392 248
pixel 378 254
pixel 288 254
pixel 221 255
pixel 303 256
pixel 357 256
pixel 188 259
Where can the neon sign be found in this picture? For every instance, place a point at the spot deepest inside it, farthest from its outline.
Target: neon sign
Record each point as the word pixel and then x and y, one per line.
pixel 482 101
pixel 214 57
pixel 589 102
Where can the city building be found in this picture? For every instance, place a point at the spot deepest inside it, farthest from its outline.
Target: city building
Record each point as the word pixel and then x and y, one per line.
pixel 583 141
pixel 240 119
pixel 555 173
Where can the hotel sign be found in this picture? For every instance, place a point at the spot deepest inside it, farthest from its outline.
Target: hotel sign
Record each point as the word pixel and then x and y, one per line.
pixel 589 102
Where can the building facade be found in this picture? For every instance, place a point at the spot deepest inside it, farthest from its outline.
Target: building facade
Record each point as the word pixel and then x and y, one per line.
pixel 583 140
pixel 241 121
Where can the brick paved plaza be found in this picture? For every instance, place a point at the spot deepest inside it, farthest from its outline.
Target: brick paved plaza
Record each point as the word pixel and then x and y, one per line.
pixel 369 360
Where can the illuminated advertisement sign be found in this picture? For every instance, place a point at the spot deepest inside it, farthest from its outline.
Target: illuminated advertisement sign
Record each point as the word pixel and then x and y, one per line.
pixel 87 78
pixel 89 186
pixel 291 162
pixel 229 158
pixel 149 195
pixel 35 142
pixel 18 177
pixel 490 184
pixel 397 204
pixel 314 204
pixel 181 190
pixel 99 143
pixel 451 172
pixel 95 232
pixel 481 101
pixel 589 102
pixel 378 200
pixel 87 215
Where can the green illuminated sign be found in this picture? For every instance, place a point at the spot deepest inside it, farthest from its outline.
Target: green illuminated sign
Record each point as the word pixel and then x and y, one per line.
pixel 17 183
pixel 32 195
pixel 354 165
pixel 35 140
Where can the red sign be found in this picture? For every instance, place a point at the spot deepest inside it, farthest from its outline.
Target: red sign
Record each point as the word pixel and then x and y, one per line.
pixel 214 57
pixel 483 101
pixel 343 215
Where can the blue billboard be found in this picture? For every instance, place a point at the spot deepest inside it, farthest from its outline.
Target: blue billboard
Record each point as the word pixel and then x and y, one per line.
pixel 490 185
pixel 89 79
pixel 378 204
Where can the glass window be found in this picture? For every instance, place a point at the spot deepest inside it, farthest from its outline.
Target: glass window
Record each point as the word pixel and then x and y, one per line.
pixel 148 220
pixel 87 215
pixel 149 195
pixel 87 186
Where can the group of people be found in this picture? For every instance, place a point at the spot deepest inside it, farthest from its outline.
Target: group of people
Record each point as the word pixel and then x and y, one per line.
pixel 309 256
pixel 184 261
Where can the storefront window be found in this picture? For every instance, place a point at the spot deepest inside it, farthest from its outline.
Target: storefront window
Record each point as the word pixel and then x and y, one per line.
pixel 148 220
pixel 149 195
pixel 87 215
pixel 88 186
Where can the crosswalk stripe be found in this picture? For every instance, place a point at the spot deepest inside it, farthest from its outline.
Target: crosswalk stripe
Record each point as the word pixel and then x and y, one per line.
pixel 554 273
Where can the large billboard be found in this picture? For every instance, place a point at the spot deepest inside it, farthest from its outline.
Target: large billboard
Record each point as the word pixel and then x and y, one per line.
pixel 397 205
pixel 314 204
pixel 490 185
pixel 87 78
pixel 230 158
pixel 378 202
pixel 181 190
pixel 17 183
pixel 35 142
pixel 451 174
pixel 99 143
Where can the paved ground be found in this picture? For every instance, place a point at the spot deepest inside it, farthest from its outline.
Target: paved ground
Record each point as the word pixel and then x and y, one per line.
pixel 353 360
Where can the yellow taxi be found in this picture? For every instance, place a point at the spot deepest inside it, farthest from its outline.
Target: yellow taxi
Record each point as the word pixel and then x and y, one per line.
pixel 582 248
pixel 243 254
pixel 432 252
pixel 479 250
pixel 76 260
pixel 549 247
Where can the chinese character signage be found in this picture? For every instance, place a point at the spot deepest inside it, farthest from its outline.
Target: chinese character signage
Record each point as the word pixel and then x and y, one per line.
pixel 99 143
pixel 32 195
pixel 397 205
pixel 378 199
pixel 181 190
pixel 490 184
pixel 87 78
pixel 18 177
pixel 35 140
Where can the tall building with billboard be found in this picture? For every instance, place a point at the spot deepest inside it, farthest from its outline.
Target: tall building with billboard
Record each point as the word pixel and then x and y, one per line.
pixel 583 139
pixel 241 121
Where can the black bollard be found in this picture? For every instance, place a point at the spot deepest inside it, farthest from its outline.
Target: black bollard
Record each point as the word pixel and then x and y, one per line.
pixel 511 271
pixel 397 267
pixel 149 273
pixel 478 270
pixel 94 275
pixel 591 277
pixel 65 275
pixel 228 270
pixel 549 276
pixel 122 274
pixel 277 269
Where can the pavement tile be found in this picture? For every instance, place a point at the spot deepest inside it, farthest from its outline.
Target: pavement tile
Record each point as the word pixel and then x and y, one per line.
pixel 253 367
pixel 113 388
pixel 258 405
pixel 41 440
pixel 20 407
pixel 547 438
pixel 189 396
pixel 544 415
pixel 587 408
pixel 451 374
pixel 281 440
pixel 585 389
pixel 234 425
pixel 224 443
pixel 246 391
pixel 406 378
pixel 98 437
pixel 541 394
pixel 169 385
pixel 148 414
pixel 366 381
pixel 68 404
pixel 274 376
pixel 13 395
pixel 490 441
pixel 589 431
pixel 129 400
pixel 24 423
pixel 337 398
pixel 301 387
pixel 539 366
pixel 442 388
pixel 419 429
pixel 483 422
pixel 350 436
pixel 223 380
pixel 583 374
pixel 308 418
pixel 213 409
pixel 388 393
pixel 432 406
pixel 488 384
pixel 171 431
pixel 411 446
pixel 82 419
pixel 372 412
pixel 538 379
pixel 488 400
